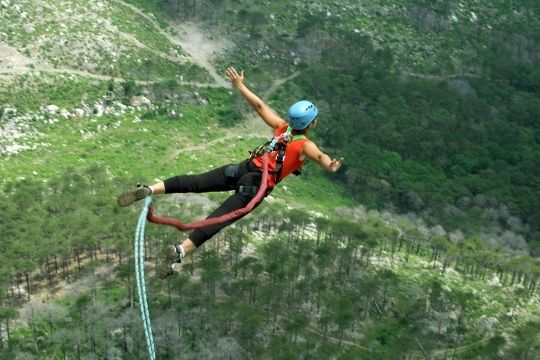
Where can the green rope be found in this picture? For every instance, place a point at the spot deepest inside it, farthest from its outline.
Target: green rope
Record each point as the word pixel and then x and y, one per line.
pixel 141 287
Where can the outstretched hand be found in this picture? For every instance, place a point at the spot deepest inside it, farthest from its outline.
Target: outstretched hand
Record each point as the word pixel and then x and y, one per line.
pixel 235 78
pixel 335 164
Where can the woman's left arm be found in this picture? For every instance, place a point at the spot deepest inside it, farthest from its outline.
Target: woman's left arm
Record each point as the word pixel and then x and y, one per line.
pixel 313 153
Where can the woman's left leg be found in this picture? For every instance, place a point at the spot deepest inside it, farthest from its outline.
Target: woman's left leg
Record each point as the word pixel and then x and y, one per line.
pixel 234 202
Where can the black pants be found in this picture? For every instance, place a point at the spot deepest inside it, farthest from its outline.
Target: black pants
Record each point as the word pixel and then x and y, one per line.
pixel 225 178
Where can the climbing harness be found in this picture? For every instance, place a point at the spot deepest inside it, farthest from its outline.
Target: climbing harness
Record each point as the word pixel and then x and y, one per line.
pixel 270 145
pixel 141 287
pixel 279 144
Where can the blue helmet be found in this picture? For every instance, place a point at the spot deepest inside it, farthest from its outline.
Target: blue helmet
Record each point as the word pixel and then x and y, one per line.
pixel 301 114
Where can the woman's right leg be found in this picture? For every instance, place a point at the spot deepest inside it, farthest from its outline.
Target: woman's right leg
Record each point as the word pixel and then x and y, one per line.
pixel 220 179
pixel 158 188
pixel 213 180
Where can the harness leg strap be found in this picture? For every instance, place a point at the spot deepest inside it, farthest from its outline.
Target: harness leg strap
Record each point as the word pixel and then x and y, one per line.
pixel 247 190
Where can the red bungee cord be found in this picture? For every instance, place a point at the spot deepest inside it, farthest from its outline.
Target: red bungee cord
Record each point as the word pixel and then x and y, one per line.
pixel 220 219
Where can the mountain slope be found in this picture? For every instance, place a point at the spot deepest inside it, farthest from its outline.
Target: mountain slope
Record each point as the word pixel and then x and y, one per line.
pixel 97 97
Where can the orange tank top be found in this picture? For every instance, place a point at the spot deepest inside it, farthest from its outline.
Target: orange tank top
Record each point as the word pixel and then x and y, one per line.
pixel 291 161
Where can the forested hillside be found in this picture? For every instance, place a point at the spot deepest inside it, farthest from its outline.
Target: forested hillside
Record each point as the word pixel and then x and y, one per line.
pixel 434 103
pixel 424 245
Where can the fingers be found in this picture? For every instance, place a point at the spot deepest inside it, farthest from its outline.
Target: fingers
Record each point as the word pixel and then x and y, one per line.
pixel 335 164
pixel 230 74
pixel 233 76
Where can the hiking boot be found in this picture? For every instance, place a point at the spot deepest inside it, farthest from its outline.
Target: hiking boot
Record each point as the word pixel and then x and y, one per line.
pixel 173 255
pixel 129 197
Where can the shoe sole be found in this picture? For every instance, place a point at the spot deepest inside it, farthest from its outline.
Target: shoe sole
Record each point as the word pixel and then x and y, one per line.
pixel 129 197
pixel 166 266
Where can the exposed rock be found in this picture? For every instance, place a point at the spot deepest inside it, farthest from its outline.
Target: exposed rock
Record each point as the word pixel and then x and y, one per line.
pixel 8 112
pixel 141 102
pixel 200 100
pixel 98 110
pixel 495 281
pixel 487 324
pixel 52 109
pixel 78 113
pixel 64 113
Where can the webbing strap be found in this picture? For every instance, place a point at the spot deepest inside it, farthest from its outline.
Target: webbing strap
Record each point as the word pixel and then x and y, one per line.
pixel 141 286
pixel 220 219
pixel 247 190
pixel 280 158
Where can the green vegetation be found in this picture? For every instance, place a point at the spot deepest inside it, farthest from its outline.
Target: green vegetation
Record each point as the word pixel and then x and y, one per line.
pixel 300 284
pixel 28 93
pixel 130 44
pixel 433 146
pixel 434 105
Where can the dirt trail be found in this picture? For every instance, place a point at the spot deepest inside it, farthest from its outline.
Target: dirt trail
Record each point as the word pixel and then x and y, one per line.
pixel 200 46
pixel 18 70
pixel 278 83
pixel 255 122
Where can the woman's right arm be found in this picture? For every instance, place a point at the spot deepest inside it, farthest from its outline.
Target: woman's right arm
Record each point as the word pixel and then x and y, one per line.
pixel 265 112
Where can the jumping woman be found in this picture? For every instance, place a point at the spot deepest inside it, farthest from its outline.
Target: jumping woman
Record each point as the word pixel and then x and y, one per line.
pixel 244 178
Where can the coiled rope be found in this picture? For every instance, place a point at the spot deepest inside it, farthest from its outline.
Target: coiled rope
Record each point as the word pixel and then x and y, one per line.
pixel 141 286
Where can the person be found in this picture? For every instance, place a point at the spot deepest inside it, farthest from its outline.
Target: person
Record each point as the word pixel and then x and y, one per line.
pixel 245 177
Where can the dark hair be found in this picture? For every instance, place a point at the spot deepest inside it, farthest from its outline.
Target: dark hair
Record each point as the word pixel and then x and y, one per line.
pixel 303 131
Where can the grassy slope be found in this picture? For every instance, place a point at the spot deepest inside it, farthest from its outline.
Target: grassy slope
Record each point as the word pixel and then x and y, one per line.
pixel 144 146
pixel 126 40
pixel 61 35
pixel 129 149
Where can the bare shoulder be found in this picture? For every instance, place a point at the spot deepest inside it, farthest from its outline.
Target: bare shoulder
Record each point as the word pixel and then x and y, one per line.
pixel 269 116
pixel 278 121
pixel 311 150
